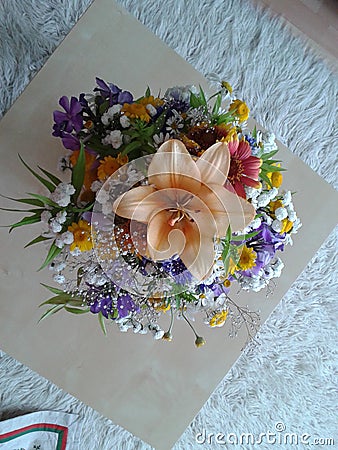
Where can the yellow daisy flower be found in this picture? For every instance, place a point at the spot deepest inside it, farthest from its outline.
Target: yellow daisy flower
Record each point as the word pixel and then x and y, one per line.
pixel 240 109
pixel 276 178
pixel 218 319
pixel 151 100
pixel 108 165
pixel 82 236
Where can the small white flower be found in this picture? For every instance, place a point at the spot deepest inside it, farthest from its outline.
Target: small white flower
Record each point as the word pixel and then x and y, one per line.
pixel 60 279
pixel 107 208
pixel 96 186
pixel 115 109
pixel 67 237
pixel 281 213
pixel 160 138
pixel 158 334
pixel 75 252
pixel 105 119
pixel 124 121
pixel 102 196
pixel 272 193
pixel 59 243
pixel 277 226
pixel 114 138
pixel 286 199
pixel 55 226
pixel 296 225
pixel 151 109
pixel 292 216
pixel 58 267
pixel 263 199
pixel 45 216
pixel 61 216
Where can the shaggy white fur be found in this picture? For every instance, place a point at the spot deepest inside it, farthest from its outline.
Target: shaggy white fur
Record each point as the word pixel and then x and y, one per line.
pixel 289 377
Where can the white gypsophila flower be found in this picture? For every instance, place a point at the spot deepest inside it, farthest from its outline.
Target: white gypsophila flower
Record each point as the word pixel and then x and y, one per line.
pixel 59 266
pixel 60 279
pixel 281 213
pixel 287 198
pixel 292 216
pixel 124 121
pixel 269 141
pixel 61 216
pixel 55 226
pixel 45 216
pixel 151 109
pixel 96 185
pixel 107 208
pixel 158 334
pixel 102 196
pixel 115 109
pixel 114 138
pixel 252 192
pixel 105 119
pixel 67 188
pixel 137 327
pixel 67 237
pixel 273 192
pixel 75 252
pixel 288 240
pixel 59 242
pixel 263 200
pixel 296 225
pixel 62 193
pixel 277 226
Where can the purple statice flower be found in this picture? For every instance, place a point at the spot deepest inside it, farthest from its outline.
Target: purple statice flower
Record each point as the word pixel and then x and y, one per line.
pixel 218 288
pixel 113 93
pixel 265 244
pixel 125 305
pixel 102 303
pixel 69 120
pixel 69 141
pixel 177 270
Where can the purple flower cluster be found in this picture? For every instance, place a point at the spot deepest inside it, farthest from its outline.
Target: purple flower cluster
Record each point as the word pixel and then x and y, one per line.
pixel 108 302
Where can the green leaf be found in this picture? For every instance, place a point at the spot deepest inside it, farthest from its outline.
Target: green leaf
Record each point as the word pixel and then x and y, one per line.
pixel 244 237
pixel 130 147
pixel 36 240
pixel 79 276
pixel 27 201
pixel 78 173
pixel 45 200
pixel 202 97
pixel 76 310
pixel 23 210
pixel 195 102
pixel 263 176
pixel 102 323
pixel 50 186
pixel 25 221
pixel 266 156
pixel 51 311
pixel 52 177
pixel 52 289
pixel 217 104
pixel 54 251
pixel 226 244
pixel 147 93
pixel 57 300
pixel 254 132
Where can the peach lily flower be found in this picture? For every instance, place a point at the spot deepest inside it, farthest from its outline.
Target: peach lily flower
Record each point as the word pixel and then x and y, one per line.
pixel 185 205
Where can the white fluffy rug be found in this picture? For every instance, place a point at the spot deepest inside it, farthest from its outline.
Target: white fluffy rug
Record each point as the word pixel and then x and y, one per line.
pixel 290 377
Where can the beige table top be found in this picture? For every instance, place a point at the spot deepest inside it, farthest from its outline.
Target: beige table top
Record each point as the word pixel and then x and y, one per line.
pixel 153 389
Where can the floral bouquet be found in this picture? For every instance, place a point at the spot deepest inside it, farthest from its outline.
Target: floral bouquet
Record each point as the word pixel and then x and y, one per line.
pixel 164 203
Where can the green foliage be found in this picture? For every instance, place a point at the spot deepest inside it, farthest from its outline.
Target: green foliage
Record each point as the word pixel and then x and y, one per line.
pixel 53 252
pixel 102 323
pixel 78 173
pixel 50 186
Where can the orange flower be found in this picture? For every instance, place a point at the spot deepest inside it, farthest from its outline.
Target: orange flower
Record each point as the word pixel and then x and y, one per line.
pixel 186 205
pixel 136 111
pixel 151 100
pixel 109 165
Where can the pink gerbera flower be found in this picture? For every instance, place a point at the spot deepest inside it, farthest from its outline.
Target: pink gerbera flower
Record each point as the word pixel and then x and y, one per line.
pixel 244 168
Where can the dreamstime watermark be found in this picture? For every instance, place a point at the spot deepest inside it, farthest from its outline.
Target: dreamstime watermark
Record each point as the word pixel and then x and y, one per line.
pixel 278 436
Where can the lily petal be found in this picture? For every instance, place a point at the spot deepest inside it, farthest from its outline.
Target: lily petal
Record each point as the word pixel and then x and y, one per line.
pixel 164 240
pixel 214 164
pixel 227 208
pixel 173 167
pixel 198 253
pixel 128 204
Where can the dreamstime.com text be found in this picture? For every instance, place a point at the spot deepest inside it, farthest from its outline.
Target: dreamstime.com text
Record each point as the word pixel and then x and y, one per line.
pixel 278 436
